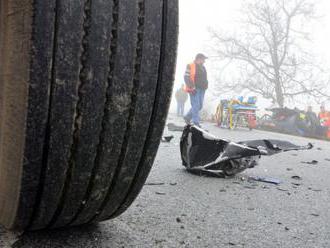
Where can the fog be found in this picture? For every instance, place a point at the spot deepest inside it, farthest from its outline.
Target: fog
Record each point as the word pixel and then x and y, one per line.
pixel 197 17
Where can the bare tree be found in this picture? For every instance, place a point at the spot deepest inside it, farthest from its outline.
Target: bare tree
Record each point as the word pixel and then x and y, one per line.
pixel 270 53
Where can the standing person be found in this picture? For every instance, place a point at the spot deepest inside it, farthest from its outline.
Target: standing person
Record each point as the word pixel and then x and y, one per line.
pixel 312 117
pixel 313 121
pixel 181 97
pixel 324 116
pixel 196 84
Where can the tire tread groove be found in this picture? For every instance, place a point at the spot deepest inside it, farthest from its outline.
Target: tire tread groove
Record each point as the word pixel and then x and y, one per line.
pixel 77 115
pixel 113 53
pixel 42 178
pixel 136 82
pixel 154 112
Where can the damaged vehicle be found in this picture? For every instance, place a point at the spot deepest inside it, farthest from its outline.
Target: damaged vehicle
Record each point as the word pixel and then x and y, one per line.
pixel 203 153
pixel 292 121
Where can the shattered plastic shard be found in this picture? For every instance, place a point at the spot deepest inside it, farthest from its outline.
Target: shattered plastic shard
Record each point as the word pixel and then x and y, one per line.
pixel 204 153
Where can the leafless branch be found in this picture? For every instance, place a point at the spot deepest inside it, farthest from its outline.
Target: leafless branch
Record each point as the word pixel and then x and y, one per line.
pixel 277 66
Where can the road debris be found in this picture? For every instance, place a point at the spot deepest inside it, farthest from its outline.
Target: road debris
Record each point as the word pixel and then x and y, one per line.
pixel 314 190
pixel 202 152
pixel 160 193
pixel 281 189
pixel 313 162
pixel 167 139
pixel 296 177
pixel 154 184
pixel 270 180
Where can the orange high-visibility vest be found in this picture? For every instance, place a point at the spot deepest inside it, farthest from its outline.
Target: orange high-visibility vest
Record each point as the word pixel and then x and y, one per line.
pixel 192 78
pixel 193 72
pixel 324 118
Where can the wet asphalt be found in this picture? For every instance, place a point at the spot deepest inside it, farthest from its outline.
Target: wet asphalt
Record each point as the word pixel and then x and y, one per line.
pixel 177 209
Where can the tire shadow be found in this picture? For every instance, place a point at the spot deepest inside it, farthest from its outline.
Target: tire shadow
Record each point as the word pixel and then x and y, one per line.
pixel 107 234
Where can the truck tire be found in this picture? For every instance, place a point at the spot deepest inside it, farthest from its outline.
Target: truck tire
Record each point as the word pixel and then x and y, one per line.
pixel 85 87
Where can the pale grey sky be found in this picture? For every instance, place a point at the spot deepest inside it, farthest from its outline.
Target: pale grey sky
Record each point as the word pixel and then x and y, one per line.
pixel 196 16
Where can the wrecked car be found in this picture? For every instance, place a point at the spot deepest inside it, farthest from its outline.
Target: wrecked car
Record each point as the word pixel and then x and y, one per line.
pixel 291 121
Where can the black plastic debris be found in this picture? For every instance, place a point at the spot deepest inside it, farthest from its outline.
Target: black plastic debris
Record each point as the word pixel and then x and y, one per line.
pixel 167 139
pixel 154 184
pixel 313 162
pixel 202 152
pixel 178 220
pixel 296 177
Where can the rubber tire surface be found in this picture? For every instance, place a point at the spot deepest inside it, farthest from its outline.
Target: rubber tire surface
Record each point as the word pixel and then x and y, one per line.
pixel 85 87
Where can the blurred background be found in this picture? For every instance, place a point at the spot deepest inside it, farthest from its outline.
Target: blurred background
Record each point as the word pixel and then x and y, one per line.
pixel 238 37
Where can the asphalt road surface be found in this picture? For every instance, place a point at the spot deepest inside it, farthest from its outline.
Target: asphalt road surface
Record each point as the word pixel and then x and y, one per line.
pixel 177 209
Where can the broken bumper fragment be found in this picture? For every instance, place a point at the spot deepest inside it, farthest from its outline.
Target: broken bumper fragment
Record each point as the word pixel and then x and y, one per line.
pixel 204 153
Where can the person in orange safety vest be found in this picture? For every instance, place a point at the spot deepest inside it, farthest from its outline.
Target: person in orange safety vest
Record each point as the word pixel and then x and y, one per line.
pixel 196 84
pixel 324 116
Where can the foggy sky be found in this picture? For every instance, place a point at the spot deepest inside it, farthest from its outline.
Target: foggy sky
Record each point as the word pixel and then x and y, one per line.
pixel 196 16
